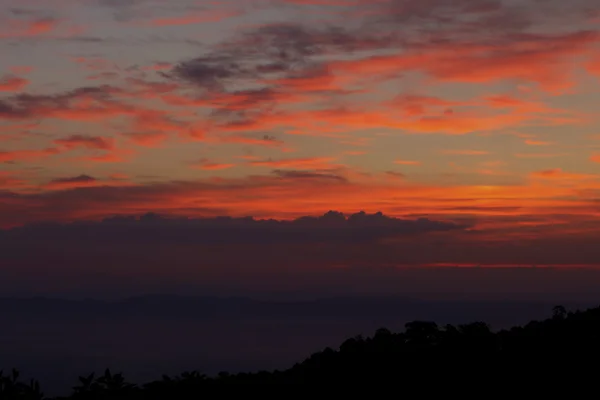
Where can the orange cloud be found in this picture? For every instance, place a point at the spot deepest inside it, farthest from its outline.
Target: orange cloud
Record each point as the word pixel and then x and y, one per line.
pixel 418 105
pixel 86 104
pixel 87 142
pixel 309 162
pixel 544 59
pixel 10 181
pixel 22 155
pixel 12 83
pixel 279 87
pixel 266 140
pixel 151 128
pixel 531 142
pixel 540 155
pixel 311 81
pixel 466 152
pixel 407 162
pixel 147 139
pixel 21 28
pixel 208 165
pixel 82 181
pixel 94 64
pixel 459 122
pixel 40 27
pixel 558 173
pixel 296 194
pixel 117 176
pixel 162 66
pixel 115 156
pixel 593 66
pixel 69 183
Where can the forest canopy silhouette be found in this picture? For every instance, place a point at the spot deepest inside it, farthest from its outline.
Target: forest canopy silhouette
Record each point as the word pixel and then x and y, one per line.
pixel 561 346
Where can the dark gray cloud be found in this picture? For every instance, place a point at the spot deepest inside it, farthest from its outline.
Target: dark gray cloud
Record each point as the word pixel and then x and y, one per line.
pixel 358 252
pixel 293 174
pixel 123 10
pixel 282 49
pixel 25 105
pixel 298 51
pixel 152 228
pixel 210 73
pixel 75 179
pixel 10 111
pixel 395 174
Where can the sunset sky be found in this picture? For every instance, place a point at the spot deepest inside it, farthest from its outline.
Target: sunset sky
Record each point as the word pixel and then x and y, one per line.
pixel 479 114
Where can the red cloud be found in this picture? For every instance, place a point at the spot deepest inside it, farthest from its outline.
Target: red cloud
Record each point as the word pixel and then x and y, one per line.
pixel 41 27
pixel 540 155
pixel 21 155
pixel 114 156
pixel 88 142
pixel 88 103
pixel 94 64
pixel 309 162
pixel 109 153
pixel 422 119
pixel 147 139
pixel 266 141
pixel 162 66
pixel 11 83
pixel 558 173
pixel 119 177
pixel 593 66
pixel 20 28
pixel 290 194
pixel 83 181
pixel 69 183
pixel 9 181
pixel 311 81
pixel 190 19
pixel 152 128
pixel 208 165
pixel 545 59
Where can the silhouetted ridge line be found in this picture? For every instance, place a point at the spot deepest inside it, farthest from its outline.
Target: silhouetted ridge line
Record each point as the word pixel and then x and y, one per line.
pixel 524 355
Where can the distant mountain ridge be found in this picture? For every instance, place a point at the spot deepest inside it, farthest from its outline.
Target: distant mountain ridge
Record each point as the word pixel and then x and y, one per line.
pixel 208 307
pixel 55 339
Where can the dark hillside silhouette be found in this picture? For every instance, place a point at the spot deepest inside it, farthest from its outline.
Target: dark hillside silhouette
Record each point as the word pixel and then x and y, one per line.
pixel 559 350
pixel 55 340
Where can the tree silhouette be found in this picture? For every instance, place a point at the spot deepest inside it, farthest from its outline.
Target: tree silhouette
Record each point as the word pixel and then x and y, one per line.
pixel 12 388
pixel 559 312
pixel 561 349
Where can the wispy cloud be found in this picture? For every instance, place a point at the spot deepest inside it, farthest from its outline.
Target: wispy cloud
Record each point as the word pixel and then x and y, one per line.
pixel 282 109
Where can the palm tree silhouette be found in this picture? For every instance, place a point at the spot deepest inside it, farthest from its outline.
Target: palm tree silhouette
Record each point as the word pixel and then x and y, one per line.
pixel 12 388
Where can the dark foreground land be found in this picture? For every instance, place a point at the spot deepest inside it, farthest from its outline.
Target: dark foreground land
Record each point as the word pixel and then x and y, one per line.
pixel 563 349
